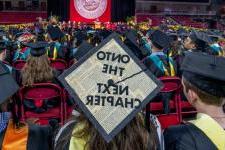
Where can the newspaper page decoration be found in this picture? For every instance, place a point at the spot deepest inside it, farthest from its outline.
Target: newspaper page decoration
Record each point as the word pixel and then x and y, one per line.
pixel 110 85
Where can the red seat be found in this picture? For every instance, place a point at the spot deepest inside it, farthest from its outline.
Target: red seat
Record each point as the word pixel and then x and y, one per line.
pixel 43 101
pixel 58 64
pixel 19 64
pixel 171 85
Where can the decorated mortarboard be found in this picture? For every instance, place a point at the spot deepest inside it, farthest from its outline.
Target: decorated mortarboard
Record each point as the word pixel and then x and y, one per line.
pixel 55 32
pixel 8 86
pixel 160 39
pixel 82 50
pixel 37 49
pixel 24 37
pixel 110 85
pixel 206 72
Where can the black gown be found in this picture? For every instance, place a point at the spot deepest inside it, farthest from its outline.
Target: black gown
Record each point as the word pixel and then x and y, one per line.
pixel 39 138
pixel 187 137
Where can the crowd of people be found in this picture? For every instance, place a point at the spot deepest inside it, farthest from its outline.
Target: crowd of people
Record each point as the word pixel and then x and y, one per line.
pixel 194 55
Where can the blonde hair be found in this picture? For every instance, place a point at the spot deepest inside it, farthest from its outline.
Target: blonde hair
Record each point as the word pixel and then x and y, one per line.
pixel 37 70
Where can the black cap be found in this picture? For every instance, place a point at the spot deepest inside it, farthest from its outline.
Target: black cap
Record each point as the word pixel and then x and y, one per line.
pixel 206 72
pixel 132 42
pixel 55 32
pixel 37 49
pixel 8 85
pixel 200 37
pixel 160 39
pixel 83 49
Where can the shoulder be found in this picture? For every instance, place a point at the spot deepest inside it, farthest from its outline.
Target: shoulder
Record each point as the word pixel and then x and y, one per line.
pixel 39 137
pixel 178 138
pixel 62 138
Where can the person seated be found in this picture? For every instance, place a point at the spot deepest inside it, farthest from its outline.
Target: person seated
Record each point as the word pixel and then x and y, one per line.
pixel 203 81
pixel 56 50
pixel 37 68
pixel 23 51
pixel 4 63
pixel 81 134
pixel 14 134
pixel 158 62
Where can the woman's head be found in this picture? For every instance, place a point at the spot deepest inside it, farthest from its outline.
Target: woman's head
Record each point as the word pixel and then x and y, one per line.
pixel 133 137
pixel 37 70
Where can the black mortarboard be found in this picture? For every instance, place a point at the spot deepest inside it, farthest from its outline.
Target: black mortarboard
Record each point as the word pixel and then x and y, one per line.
pixel 132 42
pixel 206 72
pixel 38 48
pixel 55 32
pixel 83 49
pixel 8 85
pixel 172 36
pixel 160 39
pixel 182 33
pixel 200 37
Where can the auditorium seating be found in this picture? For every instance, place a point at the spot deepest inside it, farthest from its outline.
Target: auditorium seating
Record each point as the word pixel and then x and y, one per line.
pixel 58 64
pixel 173 86
pixel 43 101
pixel 19 64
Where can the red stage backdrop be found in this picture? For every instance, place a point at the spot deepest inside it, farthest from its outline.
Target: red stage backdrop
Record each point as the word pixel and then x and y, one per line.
pixel 90 10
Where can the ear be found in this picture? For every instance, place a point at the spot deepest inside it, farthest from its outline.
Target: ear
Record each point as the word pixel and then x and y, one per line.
pixel 192 97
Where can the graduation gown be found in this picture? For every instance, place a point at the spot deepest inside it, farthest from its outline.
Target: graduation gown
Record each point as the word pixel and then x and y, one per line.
pixel 160 65
pixel 30 137
pixel 201 134
pixel 57 51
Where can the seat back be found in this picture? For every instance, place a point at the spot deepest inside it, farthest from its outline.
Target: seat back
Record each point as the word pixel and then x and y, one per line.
pixel 19 64
pixel 58 64
pixel 170 85
pixel 43 101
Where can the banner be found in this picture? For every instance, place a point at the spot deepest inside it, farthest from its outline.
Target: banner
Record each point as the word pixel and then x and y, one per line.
pixel 90 10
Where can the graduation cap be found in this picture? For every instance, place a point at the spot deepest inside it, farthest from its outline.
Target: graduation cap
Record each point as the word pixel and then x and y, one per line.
pixel 24 37
pixel 83 49
pixel 206 72
pixel 131 42
pixel 55 32
pixel 37 49
pixel 160 39
pixel 182 33
pixel 200 37
pixel 127 92
pixel 215 36
pixel 173 36
pixel 8 86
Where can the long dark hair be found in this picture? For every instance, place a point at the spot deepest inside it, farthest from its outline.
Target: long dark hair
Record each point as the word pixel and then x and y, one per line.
pixel 133 137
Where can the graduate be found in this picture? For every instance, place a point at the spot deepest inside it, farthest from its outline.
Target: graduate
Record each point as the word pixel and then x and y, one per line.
pixel 159 63
pixel 14 134
pixel 37 68
pixel 57 50
pixel 203 80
